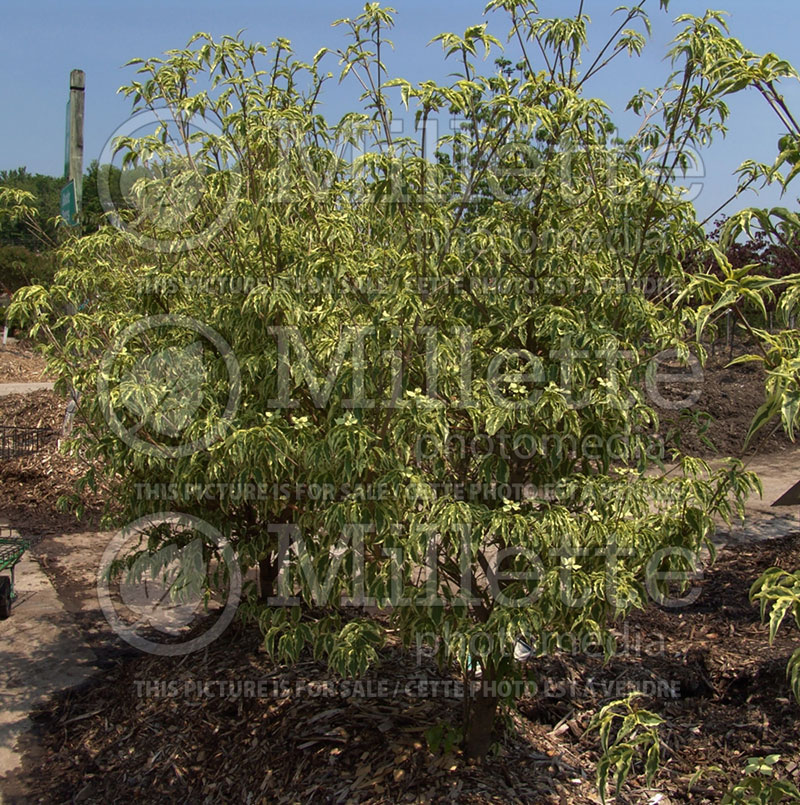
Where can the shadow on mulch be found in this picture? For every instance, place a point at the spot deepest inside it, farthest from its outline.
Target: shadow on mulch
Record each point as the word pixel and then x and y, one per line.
pixel 148 729
pixel 707 668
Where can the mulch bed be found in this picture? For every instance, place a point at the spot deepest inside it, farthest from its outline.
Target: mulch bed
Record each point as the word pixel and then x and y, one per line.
pixel 31 484
pixel 719 685
pixel 35 409
pixel 731 396
pixel 20 364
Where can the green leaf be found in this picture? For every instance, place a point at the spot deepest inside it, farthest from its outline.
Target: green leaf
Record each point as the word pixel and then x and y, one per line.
pixel 763 415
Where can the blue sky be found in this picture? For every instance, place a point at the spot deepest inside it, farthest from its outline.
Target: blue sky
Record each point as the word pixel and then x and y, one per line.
pixel 42 40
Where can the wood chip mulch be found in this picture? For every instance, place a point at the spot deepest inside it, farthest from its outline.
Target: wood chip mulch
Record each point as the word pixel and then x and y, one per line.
pixel 303 736
pixel 20 364
pixel 145 730
pixel 31 484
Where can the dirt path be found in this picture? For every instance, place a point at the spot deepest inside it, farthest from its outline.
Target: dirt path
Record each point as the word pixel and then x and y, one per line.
pixel 43 651
pixel 778 472
pixel 72 563
pixel 22 388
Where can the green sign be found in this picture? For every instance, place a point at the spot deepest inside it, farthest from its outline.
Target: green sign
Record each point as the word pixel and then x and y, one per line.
pixel 69 209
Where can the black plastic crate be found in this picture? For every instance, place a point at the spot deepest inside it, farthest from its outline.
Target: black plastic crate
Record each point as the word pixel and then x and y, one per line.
pixel 17 441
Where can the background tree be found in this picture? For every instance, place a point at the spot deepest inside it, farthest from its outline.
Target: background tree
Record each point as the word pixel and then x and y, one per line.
pixel 46 191
pixel 105 189
pixel 26 238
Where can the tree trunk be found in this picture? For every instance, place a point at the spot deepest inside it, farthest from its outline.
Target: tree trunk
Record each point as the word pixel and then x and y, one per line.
pixel 267 573
pixel 478 737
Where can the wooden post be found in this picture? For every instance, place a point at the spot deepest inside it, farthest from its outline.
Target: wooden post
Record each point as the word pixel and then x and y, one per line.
pixel 729 323
pixel 77 86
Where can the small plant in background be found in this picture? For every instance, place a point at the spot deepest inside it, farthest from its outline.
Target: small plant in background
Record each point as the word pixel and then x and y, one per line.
pixel 779 591
pixel 627 734
pixel 759 785
pixel 443 737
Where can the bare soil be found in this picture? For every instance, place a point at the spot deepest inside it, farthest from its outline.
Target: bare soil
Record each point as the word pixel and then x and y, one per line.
pixel 728 401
